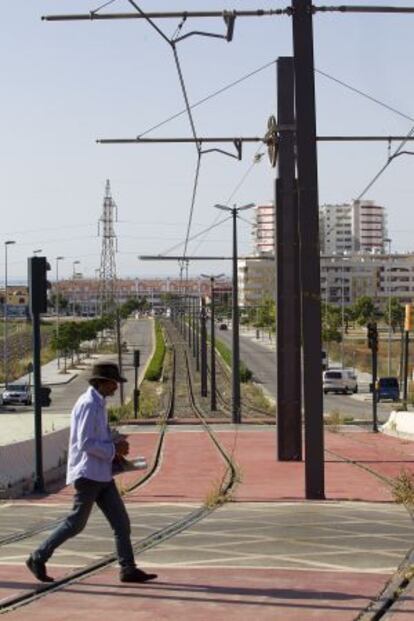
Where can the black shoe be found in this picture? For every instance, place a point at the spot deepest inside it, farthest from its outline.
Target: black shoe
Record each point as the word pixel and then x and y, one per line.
pixel 38 569
pixel 133 574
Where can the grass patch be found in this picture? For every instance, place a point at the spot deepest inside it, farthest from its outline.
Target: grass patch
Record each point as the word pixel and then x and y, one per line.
pixel 403 488
pixel 224 351
pixel 256 397
pixel 154 370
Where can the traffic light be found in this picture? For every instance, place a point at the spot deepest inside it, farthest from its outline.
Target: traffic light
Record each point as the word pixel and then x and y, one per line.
pixel 372 336
pixel 45 399
pixel 136 358
pixel 38 284
pixel 408 320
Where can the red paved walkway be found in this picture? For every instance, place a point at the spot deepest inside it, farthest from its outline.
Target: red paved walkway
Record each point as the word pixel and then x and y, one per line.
pixel 207 594
pixel 191 467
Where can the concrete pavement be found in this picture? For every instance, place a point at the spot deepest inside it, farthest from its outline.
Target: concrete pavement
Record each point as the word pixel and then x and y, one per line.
pixel 268 554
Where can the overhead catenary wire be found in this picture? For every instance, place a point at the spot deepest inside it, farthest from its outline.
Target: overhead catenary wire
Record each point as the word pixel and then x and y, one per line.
pixel 172 44
pixel 209 228
pixel 385 166
pixel 363 94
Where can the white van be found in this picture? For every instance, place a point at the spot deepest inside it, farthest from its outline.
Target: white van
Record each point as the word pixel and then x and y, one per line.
pixel 339 380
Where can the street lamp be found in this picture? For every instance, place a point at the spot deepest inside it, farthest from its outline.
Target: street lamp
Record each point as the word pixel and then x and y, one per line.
pixel 73 277
pixel 38 251
pixel 97 278
pixel 57 307
pixel 5 352
pixel 236 402
pixel 389 279
pixel 212 279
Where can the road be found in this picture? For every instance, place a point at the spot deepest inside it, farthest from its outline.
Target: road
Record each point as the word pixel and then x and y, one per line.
pixel 261 359
pixel 138 335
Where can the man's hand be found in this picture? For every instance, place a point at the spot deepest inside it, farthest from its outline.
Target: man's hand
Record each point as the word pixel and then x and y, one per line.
pixel 122 447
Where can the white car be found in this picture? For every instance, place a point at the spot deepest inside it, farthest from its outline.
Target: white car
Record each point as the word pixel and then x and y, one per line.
pixel 339 380
pixel 17 393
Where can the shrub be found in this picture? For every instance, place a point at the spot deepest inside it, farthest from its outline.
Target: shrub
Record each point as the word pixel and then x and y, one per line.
pixel 154 370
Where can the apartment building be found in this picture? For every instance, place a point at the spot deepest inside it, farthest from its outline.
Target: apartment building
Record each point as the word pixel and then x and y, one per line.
pixel 256 280
pixel 264 229
pixel 346 278
pixel 346 228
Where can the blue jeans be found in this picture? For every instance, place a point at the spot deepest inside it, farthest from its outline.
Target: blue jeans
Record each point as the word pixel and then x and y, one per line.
pixel 107 497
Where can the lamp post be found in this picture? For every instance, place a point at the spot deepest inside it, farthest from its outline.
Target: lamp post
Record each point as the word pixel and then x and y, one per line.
pixel 342 313
pixel 77 262
pixel 38 251
pixel 212 279
pixel 236 401
pixel 5 351
pixel 389 279
pixel 57 308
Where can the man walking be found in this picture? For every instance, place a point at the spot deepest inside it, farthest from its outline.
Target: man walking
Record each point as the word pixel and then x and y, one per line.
pixel 91 451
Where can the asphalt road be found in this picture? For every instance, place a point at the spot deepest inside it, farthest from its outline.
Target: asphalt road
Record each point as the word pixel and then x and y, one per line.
pixel 262 362
pixel 138 334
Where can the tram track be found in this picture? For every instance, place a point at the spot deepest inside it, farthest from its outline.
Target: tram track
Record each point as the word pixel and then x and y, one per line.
pixel 179 401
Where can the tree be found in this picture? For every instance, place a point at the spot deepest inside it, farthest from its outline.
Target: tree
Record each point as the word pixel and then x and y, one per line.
pixel 397 315
pixel 365 310
pixel 266 312
pixel 63 302
pixel 331 324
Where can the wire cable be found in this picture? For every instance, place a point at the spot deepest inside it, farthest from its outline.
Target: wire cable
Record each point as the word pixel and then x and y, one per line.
pixel 366 95
pixel 208 97
pixel 256 159
pixel 102 6
pixel 212 226
pixel 384 168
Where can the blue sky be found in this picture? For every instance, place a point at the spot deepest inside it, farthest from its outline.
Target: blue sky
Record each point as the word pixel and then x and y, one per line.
pixel 66 84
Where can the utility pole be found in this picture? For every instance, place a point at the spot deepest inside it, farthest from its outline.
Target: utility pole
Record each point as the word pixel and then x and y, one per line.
pixel 119 349
pixel 289 415
pixel 235 366
pixel 389 274
pixel 197 342
pixel 309 246
pixel 5 342
pixel 203 348
pixel 373 345
pixel 58 307
pixel 213 396
pixel 407 328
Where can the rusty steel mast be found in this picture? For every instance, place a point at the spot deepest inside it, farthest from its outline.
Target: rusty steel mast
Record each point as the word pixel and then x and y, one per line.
pixel 107 270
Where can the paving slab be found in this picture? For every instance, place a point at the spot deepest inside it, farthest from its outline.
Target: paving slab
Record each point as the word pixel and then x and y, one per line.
pixel 285 561
pixel 273 560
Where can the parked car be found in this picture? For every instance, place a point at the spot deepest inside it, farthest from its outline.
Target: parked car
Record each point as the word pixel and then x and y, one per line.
pixel 223 326
pixel 339 380
pixel 17 393
pixel 388 388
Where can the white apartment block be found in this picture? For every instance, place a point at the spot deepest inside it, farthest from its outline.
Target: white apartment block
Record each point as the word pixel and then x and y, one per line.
pixel 357 227
pixel 264 229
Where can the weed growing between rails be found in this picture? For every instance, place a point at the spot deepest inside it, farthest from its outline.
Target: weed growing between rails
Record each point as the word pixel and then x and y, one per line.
pixel 220 493
pixel 403 490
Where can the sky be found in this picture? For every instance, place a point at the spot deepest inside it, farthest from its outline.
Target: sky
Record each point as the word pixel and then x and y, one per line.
pixel 64 85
